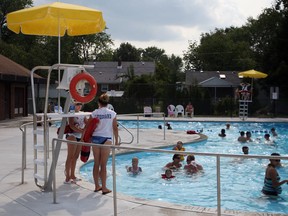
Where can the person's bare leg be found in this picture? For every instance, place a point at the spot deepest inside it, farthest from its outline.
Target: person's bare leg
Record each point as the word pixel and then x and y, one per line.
pixel 74 160
pixel 105 152
pixel 96 154
pixel 69 159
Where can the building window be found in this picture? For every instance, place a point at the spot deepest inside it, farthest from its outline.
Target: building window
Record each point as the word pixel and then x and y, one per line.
pixel 104 87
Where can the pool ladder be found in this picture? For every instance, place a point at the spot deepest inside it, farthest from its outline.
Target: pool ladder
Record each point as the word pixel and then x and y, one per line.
pixel 41 150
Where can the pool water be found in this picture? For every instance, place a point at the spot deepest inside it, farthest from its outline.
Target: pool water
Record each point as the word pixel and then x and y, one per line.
pixel 241 179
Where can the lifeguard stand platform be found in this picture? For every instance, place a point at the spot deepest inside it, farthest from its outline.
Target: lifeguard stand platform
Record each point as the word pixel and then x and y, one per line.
pixel 245 97
pixel 42 161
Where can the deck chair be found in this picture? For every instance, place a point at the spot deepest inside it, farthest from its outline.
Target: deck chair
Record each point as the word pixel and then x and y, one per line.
pixel 147 111
pixel 179 110
pixel 110 106
pixel 171 110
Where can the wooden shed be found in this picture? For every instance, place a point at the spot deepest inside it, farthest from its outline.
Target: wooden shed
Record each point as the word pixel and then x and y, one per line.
pixel 14 82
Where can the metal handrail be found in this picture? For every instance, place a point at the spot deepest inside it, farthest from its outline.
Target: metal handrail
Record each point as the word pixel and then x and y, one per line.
pixel 142 114
pixel 218 157
pixel 128 132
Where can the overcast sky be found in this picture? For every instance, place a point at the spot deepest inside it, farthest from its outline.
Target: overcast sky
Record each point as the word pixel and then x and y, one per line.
pixel 169 24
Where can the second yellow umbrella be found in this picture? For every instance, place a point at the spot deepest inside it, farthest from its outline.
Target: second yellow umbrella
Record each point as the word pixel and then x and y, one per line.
pixel 252 74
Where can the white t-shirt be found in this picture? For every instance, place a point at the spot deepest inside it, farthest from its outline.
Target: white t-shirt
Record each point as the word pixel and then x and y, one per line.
pixel 105 116
pixel 79 122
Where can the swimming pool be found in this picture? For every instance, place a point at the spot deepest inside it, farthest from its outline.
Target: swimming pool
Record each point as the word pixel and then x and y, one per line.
pixel 241 180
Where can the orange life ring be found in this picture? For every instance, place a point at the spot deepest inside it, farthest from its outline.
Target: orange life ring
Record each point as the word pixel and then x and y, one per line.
pixel 73 91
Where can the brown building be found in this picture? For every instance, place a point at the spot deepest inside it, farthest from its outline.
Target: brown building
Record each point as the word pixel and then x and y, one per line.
pixel 14 82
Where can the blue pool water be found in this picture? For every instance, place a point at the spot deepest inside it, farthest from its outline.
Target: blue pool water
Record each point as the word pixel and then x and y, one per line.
pixel 241 179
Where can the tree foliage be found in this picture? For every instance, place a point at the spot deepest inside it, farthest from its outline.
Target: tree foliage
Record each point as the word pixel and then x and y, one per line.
pixel 260 44
pixel 127 52
pixel 30 51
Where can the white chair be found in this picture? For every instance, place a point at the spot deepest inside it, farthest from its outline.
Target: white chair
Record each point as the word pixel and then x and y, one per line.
pixel 110 106
pixel 171 110
pixel 179 110
pixel 147 111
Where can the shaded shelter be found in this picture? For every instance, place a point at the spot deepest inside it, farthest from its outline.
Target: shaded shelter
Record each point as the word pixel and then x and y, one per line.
pixel 216 83
pixel 14 83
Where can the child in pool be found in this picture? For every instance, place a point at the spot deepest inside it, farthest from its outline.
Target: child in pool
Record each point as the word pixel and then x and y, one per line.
pixel 179 147
pixel 168 174
pixel 134 169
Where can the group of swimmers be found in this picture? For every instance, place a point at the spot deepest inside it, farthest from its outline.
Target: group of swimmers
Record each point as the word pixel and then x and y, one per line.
pixel 191 167
pixel 272 181
pixel 246 137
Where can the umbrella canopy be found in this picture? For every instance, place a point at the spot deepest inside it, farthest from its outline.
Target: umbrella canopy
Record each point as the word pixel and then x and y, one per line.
pixel 252 74
pixel 56 19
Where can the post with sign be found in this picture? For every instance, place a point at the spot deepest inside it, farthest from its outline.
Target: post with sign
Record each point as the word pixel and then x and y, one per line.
pixel 274 95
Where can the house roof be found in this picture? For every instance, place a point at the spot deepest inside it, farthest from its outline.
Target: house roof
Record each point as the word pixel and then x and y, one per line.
pixel 212 78
pixel 215 82
pixel 108 72
pixel 13 69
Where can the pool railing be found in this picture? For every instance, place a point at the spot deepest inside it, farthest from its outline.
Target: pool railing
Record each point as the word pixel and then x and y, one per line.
pixel 113 147
pixel 153 114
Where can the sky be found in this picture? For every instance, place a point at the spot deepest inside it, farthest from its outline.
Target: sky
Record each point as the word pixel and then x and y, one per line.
pixel 169 24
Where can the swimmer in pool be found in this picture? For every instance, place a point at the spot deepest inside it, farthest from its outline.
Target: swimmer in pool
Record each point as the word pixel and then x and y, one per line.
pixel 179 147
pixel 168 174
pixel 245 150
pixel 191 166
pixel 267 139
pixel 248 136
pixel 222 133
pixel 273 132
pixel 134 169
pixel 272 183
pixel 242 137
pixel 175 164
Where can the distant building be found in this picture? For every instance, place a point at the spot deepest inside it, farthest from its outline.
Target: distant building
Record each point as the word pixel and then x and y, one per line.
pixel 110 75
pixel 218 83
pixel 14 82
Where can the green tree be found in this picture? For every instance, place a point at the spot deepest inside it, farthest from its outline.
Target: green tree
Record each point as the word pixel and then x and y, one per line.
pixel 127 52
pixel 152 54
pixel 222 49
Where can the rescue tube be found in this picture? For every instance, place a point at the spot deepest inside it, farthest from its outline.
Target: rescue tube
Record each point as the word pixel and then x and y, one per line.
pixel 191 132
pixel 91 126
pixel 73 90
pixel 85 153
pixel 85 150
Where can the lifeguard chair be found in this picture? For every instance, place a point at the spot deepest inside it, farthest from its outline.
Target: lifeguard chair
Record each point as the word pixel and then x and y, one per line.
pixel 245 97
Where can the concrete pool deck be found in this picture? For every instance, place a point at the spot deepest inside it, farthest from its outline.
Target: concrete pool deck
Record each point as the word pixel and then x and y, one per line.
pixel 75 200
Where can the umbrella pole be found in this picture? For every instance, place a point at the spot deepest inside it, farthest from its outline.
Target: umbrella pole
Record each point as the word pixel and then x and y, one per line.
pixel 59 60
pixel 252 90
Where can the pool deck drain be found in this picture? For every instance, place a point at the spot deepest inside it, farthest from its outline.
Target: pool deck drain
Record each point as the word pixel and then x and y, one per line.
pixel 28 199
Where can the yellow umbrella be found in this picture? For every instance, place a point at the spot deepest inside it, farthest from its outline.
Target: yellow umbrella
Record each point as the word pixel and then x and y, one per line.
pixel 252 74
pixel 56 19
